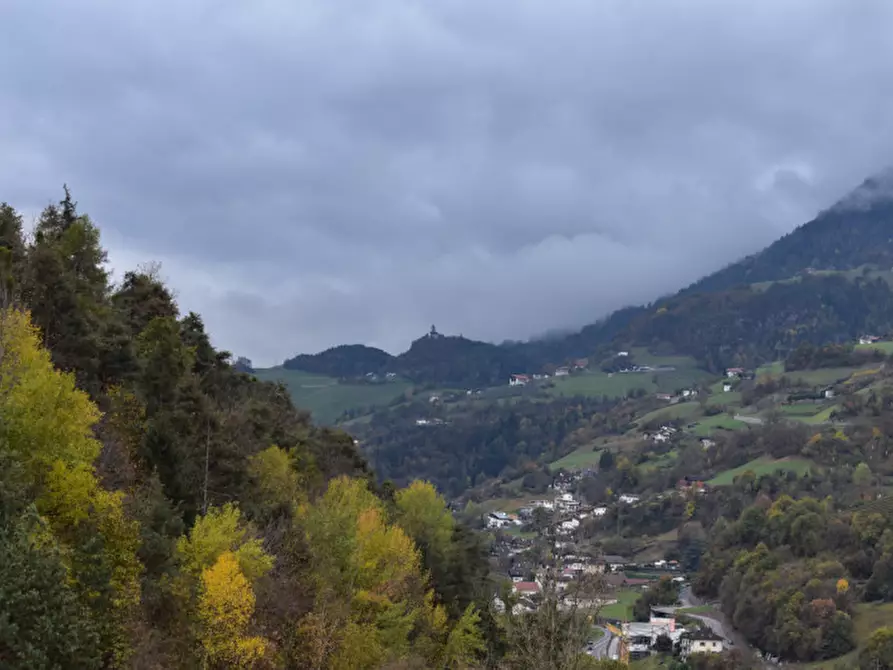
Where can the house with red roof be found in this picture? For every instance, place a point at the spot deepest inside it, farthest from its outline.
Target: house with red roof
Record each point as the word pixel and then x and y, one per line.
pixel 526 588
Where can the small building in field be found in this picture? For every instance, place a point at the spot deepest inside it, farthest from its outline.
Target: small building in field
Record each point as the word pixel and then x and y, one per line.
pixel 562 372
pixel 519 380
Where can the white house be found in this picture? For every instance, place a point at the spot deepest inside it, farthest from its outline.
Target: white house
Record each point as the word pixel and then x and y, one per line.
pixel 518 380
pixel 629 499
pixel 599 511
pixel 498 520
pixel 562 372
pixel 704 641
pixel 566 501
pixel 623 353
pixel 731 373
pixel 868 339
pixel 570 526
pixel 726 387
pixel 707 443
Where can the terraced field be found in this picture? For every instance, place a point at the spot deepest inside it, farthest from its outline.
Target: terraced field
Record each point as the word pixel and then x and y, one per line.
pixel 762 466
pixel 584 457
pixel 326 398
pixel 719 422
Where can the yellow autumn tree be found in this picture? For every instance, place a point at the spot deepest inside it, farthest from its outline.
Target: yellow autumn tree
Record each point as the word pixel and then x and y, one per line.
pixel 225 608
pixel 422 512
pixel 80 511
pixel 222 530
pixel 43 417
pixel 46 433
pixel 372 606
pixel 217 540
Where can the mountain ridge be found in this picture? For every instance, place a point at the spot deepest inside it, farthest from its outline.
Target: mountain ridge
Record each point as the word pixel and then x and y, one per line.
pixel 822 305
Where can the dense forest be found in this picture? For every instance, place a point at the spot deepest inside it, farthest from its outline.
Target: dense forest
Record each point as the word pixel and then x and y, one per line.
pixel 854 232
pixel 788 573
pixel 160 509
pixel 465 445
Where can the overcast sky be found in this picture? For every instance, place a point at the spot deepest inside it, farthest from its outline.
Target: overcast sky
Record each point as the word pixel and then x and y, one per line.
pixel 311 173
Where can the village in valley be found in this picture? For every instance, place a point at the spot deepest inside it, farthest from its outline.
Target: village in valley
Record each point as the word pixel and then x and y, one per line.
pixel 556 520
pixel 548 543
pixel 559 531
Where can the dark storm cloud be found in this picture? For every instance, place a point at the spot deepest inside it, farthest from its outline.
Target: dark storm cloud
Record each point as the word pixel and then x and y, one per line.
pixel 318 172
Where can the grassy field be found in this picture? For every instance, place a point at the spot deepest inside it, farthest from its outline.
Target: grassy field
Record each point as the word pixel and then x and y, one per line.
pixel 683 410
pixel 819 417
pixel 801 410
pixel 821 376
pixel 712 424
pixel 762 466
pixel 620 384
pixel 808 412
pixel 868 618
pixel 623 608
pixel 584 457
pixel 775 369
pixel 886 347
pixel 325 398
pixel 600 384
pixel 730 399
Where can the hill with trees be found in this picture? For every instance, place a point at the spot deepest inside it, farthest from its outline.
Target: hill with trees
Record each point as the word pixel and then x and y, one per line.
pixel 161 509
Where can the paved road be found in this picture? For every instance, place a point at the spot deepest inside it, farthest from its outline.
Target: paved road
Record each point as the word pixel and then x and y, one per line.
pixel 718 624
pixel 600 648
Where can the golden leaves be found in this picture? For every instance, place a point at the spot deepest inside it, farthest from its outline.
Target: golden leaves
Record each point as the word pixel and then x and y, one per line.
pixel 226 605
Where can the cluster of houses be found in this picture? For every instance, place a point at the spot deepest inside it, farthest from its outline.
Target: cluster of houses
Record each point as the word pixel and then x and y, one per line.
pixel 384 377
pixel 639 638
pixel 430 422
pixel 663 434
pixel 562 371
pixel 567 512
pixel 682 396
pixel 647 368
pixel 642 638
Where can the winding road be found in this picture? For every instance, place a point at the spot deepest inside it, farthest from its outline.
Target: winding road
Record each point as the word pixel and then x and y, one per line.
pixel 600 647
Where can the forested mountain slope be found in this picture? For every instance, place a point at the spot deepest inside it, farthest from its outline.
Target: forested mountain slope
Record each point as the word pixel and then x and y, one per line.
pixel 160 509
pixel 856 231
